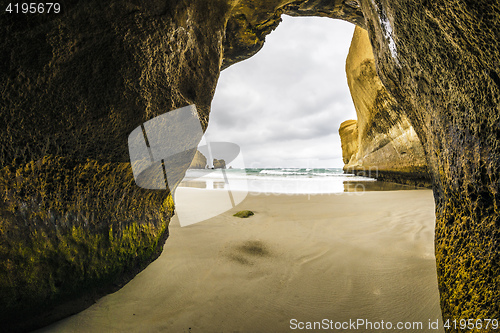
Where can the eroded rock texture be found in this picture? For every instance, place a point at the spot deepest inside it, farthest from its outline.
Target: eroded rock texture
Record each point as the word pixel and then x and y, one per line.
pixel 74 85
pixel 440 61
pixel 250 21
pixel 73 224
pixel 387 146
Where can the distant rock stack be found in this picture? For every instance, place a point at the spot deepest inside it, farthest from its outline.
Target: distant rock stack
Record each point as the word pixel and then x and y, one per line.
pixel 199 161
pixel 219 164
pixel 349 140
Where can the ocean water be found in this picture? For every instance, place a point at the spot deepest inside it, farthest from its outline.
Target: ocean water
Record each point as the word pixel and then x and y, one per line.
pixel 280 180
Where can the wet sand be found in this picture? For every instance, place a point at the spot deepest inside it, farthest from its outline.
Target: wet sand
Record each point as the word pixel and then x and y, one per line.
pixel 339 257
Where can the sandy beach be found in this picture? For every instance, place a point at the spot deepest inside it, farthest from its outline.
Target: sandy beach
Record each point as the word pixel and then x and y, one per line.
pixel 339 257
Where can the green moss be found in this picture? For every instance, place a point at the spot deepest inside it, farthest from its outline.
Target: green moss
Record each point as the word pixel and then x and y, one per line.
pixel 244 214
pixel 467 258
pixel 70 229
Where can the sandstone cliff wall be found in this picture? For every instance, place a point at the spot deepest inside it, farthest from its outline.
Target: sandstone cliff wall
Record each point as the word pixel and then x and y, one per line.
pixel 439 60
pixel 73 224
pixel 199 161
pixel 388 147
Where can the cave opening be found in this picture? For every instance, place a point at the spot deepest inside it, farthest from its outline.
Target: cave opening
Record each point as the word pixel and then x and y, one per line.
pixel 444 100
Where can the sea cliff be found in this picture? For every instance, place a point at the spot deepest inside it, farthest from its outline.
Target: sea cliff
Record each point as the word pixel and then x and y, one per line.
pixel 199 161
pixel 381 143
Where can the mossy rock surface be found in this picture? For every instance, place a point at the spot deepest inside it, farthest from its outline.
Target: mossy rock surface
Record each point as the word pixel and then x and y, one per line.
pixel 244 214
pixel 70 233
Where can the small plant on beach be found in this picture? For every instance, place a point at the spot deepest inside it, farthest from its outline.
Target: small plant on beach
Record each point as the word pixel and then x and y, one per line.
pixel 244 214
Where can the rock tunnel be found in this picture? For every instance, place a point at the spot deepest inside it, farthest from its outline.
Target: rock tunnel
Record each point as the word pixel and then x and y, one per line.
pixel 75 84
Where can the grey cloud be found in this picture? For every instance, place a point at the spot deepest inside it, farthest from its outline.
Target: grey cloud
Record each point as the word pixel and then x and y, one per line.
pixel 287 102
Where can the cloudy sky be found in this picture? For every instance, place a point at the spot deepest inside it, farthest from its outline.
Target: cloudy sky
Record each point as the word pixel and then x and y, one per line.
pixel 284 105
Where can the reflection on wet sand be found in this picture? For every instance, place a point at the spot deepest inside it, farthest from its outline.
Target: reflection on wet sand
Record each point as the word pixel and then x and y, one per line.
pixel 193 184
pixel 357 186
pixel 348 186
